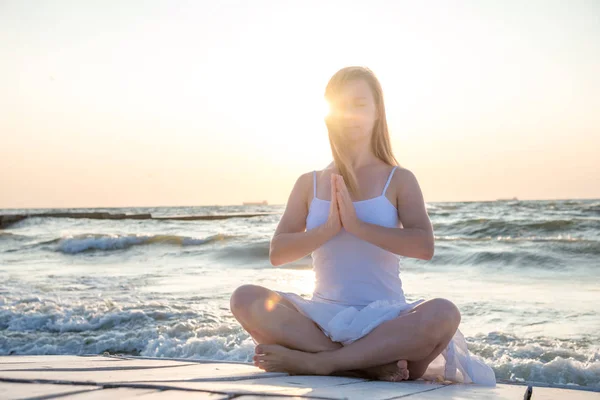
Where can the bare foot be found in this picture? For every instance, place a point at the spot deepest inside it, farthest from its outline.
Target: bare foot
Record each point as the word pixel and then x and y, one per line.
pixel 275 358
pixel 393 372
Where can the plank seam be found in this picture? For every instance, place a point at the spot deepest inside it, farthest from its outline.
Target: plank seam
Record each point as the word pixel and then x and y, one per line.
pixel 229 395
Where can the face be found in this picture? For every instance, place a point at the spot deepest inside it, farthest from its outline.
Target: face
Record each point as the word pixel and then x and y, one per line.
pixel 353 112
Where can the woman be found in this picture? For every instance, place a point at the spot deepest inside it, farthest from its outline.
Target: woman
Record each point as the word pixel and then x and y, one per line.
pixel 356 217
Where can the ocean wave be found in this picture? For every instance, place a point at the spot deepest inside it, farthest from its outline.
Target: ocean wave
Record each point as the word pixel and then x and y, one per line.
pixel 257 254
pixel 557 239
pixel 246 252
pixel 488 227
pixel 551 257
pixel 34 314
pixel 38 326
pixel 516 257
pixel 12 236
pixel 540 359
pixel 87 242
pixel 548 253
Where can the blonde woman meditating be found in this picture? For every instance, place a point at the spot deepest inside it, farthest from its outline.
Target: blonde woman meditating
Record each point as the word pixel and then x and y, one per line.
pixel 356 217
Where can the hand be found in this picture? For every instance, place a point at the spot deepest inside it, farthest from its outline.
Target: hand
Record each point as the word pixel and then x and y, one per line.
pixel 350 221
pixel 333 224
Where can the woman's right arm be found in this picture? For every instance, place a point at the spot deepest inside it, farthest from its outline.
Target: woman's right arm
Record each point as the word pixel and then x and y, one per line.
pixel 291 241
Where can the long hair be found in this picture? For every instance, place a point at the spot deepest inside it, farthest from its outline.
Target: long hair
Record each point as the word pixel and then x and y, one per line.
pixel 380 138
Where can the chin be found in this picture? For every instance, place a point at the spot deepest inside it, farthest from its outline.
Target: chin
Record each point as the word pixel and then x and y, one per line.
pixel 357 137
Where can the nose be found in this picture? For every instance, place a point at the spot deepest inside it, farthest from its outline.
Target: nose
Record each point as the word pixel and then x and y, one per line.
pixel 347 114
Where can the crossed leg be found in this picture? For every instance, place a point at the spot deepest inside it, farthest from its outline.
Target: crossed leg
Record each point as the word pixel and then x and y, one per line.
pixel 417 337
pixel 285 336
pixel 272 319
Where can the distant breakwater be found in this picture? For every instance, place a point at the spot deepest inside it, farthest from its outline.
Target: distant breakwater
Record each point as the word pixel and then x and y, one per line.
pixel 6 220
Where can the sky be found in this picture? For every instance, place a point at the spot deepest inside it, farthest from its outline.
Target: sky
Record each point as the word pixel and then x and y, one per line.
pixel 175 103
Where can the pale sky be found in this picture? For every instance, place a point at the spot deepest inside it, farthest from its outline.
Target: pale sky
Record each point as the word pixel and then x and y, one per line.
pixel 149 103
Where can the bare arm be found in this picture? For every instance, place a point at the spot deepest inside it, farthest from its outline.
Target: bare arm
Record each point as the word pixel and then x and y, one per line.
pixel 416 238
pixel 291 241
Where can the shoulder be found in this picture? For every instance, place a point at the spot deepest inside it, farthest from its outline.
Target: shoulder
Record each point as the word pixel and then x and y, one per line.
pixel 303 187
pixel 409 196
pixel 406 186
pixel 403 176
pixel 304 182
pixel 305 178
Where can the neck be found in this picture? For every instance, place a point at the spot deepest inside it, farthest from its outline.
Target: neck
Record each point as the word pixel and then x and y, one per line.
pixel 360 154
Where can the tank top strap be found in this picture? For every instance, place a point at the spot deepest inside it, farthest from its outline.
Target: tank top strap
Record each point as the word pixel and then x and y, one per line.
pixel 315 184
pixel 389 180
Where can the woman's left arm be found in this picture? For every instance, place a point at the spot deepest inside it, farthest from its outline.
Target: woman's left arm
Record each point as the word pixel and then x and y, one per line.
pixel 415 239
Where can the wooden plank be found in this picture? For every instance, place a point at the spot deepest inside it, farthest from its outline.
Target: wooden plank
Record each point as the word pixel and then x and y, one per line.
pixel 118 393
pixel 505 392
pixel 145 394
pixel 376 390
pixel 475 392
pixel 275 397
pixel 288 385
pixel 83 364
pixel 11 390
pixel 162 378
pixel 51 359
pixel 183 372
pixel 542 393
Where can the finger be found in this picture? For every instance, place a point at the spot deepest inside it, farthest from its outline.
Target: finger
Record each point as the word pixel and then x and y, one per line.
pixel 342 185
pixel 334 202
pixel 333 191
pixel 342 201
pixel 333 184
pixel 344 191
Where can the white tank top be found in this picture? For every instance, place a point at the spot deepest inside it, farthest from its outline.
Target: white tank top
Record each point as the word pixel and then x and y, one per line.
pixel 350 271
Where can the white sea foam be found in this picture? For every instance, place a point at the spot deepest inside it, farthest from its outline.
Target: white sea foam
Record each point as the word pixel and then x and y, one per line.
pixel 34 325
pixel 81 243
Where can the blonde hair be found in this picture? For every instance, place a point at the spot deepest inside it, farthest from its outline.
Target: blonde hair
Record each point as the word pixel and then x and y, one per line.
pixel 380 138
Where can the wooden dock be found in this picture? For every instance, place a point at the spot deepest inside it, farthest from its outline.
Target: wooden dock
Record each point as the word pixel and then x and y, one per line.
pixel 119 377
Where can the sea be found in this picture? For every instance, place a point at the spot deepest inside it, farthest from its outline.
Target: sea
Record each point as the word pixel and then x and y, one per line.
pixel 524 274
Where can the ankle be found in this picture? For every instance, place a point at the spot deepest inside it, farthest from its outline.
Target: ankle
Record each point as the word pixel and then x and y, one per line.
pixel 324 363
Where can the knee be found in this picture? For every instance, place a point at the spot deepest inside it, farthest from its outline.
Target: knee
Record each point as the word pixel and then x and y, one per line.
pixel 440 319
pixel 448 313
pixel 244 297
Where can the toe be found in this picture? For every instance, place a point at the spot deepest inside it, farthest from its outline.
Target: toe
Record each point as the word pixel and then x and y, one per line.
pixel 259 349
pixel 398 377
pixel 259 360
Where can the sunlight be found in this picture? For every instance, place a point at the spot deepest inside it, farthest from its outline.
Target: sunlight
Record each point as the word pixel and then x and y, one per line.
pixel 281 126
pixel 304 282
pixel 326 108
pixel 270 304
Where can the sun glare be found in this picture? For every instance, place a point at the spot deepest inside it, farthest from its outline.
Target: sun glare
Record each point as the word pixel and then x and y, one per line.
pixel 326 108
